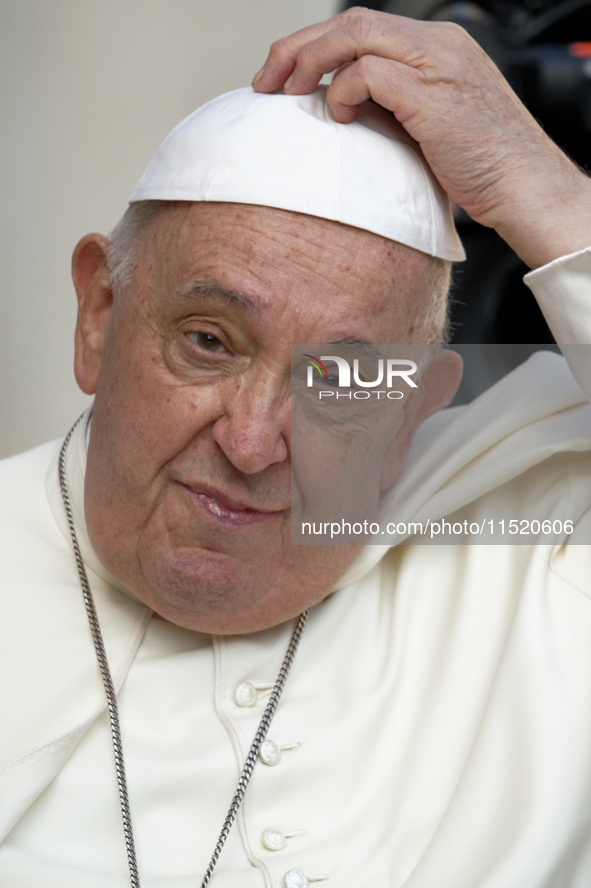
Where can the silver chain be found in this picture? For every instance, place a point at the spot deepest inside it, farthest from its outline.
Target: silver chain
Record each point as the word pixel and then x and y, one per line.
pixel 103 663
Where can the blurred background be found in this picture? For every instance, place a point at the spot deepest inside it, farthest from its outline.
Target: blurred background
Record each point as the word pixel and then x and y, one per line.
pixel 89 90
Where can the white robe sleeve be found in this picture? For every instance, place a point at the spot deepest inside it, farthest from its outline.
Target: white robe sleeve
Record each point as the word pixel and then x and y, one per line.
pixel 563 291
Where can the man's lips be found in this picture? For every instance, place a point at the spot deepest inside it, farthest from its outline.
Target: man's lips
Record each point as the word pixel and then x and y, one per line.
pixel 227 510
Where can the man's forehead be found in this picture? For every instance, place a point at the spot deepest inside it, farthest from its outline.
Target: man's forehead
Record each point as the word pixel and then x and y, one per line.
pixel 251 259
pixel 220 220
pixel 188 234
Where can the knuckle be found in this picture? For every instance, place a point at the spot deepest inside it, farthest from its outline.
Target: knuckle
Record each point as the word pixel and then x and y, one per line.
pixel 306 58
pixel 454 35
pixel 356 10
pixel 278 49
pixel 359 26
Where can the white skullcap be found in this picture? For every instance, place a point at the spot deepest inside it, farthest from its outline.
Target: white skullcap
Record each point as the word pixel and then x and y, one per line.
pixel 288 152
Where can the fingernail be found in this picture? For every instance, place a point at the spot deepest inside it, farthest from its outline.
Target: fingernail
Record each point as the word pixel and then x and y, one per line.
pixel 287 84
pixel 258 76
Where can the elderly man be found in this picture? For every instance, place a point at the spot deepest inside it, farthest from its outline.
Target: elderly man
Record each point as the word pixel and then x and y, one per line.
pixel 435 726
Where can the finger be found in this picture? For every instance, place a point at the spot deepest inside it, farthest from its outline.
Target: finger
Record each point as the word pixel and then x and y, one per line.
pixel 284 53
pixel 341 68
pixel 386 36
pixel 393 85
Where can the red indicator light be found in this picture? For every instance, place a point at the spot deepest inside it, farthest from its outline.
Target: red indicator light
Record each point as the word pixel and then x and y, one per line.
pixel 581 49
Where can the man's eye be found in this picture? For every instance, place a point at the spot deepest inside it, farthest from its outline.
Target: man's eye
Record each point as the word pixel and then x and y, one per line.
pixel 206 341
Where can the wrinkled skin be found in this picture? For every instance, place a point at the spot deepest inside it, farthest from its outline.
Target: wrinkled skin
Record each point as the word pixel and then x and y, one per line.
pixel 187 493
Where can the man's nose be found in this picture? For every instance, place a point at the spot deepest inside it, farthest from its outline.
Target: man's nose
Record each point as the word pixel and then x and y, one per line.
pixel 254 428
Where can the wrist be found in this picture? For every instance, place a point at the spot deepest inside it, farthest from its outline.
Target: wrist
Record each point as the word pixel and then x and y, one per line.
pixel 550 217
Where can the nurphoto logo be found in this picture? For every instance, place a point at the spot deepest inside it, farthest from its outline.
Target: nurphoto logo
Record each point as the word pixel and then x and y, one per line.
pixel 388 372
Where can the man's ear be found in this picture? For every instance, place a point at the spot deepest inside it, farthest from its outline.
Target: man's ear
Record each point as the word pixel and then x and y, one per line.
pixel 439 382
pixel 95 299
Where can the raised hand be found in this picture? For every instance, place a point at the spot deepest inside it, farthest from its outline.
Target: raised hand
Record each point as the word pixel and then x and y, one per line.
pixel 483 145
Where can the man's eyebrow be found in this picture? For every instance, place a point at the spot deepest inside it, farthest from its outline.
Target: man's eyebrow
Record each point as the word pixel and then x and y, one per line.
pixel 368 348
pixel 216 290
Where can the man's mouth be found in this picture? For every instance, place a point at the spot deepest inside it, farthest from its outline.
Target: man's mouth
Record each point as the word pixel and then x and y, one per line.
pixel 229 511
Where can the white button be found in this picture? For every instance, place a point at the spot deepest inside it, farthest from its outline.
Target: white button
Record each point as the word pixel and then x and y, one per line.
pixel 273 840
pixel 270 753
pixel 245 694
pixel 295 879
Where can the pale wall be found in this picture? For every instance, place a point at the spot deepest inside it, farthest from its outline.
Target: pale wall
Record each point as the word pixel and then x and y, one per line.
pixel 89 89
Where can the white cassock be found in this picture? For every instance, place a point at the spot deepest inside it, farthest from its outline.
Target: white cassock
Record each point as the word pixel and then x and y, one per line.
pixel 435 729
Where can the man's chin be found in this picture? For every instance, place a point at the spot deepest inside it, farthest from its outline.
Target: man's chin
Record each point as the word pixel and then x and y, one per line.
pixel 235 589
pixel 210 591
